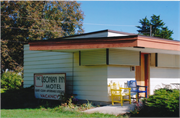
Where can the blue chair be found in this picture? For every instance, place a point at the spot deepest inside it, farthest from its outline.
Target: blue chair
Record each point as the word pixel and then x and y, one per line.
pixel 135 88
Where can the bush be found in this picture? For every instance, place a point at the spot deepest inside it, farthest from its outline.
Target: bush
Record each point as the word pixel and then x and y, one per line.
pixel 165 98
pixel 164 103
pixel 11 80
pixel 19 98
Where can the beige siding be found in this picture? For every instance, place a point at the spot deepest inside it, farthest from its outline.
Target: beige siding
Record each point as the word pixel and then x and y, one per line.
pixel 167 60
pixel 177 61
pixel 90 82
pixel 46 62
pixel 160 76
pixel 153 59
pixel 94 57
pixel 123 57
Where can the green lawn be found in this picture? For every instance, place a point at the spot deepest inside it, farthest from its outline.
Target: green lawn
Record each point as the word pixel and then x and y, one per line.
pixel 22 103
pixel 48 113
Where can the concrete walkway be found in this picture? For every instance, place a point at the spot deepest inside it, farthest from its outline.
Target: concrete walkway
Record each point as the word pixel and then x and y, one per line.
pixel 115 110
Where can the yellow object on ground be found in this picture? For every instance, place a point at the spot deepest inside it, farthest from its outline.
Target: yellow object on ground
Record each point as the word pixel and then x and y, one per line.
pixel 117 94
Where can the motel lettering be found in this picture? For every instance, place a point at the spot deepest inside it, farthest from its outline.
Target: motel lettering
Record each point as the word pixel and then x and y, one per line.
pixel 49 85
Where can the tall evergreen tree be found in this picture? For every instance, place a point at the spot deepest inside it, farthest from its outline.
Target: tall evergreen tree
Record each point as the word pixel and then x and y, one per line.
pixel 157 27
pixel 22 21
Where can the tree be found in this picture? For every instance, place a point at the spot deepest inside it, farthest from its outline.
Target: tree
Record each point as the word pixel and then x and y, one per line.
pixel 11 80
pixel 35 20
pixel 157 28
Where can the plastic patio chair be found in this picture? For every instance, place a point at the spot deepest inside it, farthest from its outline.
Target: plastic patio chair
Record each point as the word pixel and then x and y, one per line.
pixel 135 89
pixel 117 92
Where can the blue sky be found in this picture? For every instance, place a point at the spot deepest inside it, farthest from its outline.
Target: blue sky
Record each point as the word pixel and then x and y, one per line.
pixel 125 15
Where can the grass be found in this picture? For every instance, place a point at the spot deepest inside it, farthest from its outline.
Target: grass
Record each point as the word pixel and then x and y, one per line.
pixel 48 113
pixel 21 103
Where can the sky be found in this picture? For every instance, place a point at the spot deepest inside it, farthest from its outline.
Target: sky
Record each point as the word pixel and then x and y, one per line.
pixel 125 15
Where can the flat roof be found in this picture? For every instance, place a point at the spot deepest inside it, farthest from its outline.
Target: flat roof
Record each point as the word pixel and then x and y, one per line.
pixel 96 40
pixel 95 32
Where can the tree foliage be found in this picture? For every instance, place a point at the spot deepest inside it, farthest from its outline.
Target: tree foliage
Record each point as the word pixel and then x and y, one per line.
pixel 11 80
pixel 158 27
pixel 35 20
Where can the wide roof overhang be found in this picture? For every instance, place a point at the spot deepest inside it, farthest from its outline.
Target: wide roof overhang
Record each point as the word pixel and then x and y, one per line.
pixel 133 42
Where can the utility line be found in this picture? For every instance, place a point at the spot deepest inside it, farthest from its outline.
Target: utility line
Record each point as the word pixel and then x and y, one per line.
pixel 19 28
pixel 68 21
pixel 37 19
pixel 110 24
pixel 35 29
pixel 56 21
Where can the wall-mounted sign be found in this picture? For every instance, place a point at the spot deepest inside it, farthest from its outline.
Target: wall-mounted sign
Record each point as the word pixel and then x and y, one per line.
pixel 49 85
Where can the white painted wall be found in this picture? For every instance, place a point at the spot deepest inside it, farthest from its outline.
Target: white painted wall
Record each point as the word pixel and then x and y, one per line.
pixel 119 74
pixel 46 62
pixel 163 75
pixel 90 82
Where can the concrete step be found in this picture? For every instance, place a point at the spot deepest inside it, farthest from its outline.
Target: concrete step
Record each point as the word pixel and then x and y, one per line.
pixel 115 109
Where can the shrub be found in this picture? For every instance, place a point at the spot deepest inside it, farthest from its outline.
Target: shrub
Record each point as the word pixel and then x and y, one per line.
pixel 165 98
pixel 19 98
pixel 11 80
pixel 164 103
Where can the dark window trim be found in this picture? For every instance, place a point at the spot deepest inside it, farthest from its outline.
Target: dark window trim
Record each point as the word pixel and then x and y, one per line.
pixel 140 58
pixel 107 56
pixel 79 58
pixel 156 59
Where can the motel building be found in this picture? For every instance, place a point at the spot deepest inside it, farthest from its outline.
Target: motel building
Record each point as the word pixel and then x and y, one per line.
pixel 85 64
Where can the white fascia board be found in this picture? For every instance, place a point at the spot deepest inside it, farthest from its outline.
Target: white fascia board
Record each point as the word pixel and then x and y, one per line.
pixel 97 34
pixel 100 34
pixel 111 34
